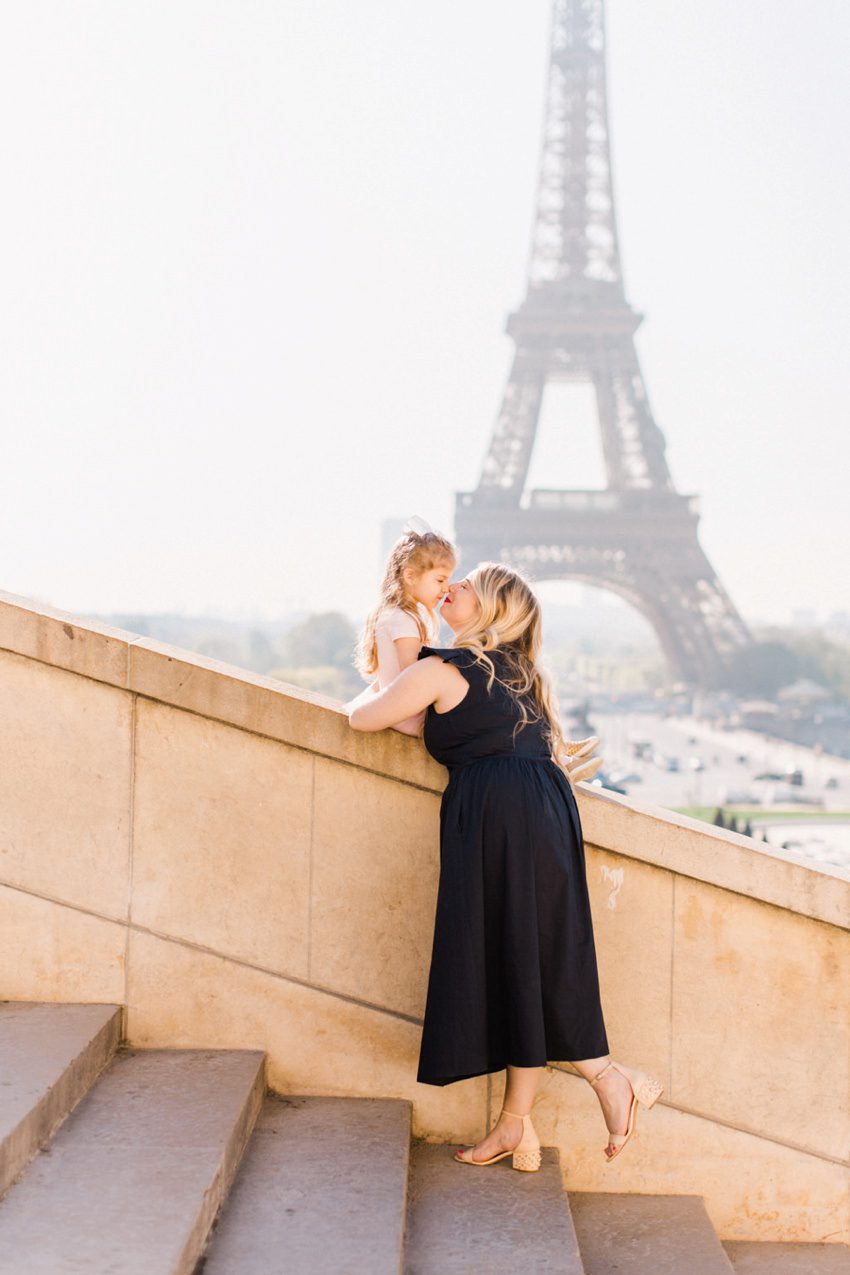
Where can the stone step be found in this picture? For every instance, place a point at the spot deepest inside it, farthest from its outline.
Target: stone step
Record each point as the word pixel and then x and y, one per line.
pixel 322 1188
pixel 492 1219
pixel 135 1176
pixel 646 1235
pixel 49 1057
pixel 788 1259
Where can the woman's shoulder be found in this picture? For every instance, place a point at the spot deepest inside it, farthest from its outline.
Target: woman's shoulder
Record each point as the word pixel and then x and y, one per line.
pixel 460 656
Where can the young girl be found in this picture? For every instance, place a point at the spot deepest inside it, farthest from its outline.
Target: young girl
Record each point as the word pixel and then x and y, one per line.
pixel 415 580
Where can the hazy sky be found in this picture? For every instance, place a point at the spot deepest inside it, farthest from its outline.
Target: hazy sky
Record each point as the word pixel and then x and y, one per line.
pixel 257 260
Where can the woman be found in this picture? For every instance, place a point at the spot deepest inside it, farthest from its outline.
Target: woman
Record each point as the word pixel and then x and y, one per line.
pixel 513 979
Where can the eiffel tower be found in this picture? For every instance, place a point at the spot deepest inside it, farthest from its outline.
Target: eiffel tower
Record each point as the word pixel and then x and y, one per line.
pixel 637 536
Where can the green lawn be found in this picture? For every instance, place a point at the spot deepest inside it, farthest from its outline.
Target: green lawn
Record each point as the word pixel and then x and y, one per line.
pixel 764 814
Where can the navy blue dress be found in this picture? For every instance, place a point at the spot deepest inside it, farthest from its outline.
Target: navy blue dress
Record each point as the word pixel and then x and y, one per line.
pixel 513 977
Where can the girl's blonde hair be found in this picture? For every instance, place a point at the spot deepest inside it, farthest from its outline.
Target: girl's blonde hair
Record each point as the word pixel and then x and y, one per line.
pixel 418 553
pixel 509 620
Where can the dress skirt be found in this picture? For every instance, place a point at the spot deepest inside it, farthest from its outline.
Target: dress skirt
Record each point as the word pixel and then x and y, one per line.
pixel 513 978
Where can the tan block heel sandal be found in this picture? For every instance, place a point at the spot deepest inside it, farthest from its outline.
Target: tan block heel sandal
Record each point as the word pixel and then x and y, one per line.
pixel 645 1090
pixel 525 1155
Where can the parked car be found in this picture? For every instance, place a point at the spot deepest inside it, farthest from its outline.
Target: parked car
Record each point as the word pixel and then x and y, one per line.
pixel 696 763
pixel 770 776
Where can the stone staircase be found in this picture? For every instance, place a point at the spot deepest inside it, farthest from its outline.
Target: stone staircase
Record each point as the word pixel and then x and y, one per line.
pixel 147 1162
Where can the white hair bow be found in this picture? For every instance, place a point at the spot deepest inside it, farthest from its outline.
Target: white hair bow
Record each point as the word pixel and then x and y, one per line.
pixel 419 525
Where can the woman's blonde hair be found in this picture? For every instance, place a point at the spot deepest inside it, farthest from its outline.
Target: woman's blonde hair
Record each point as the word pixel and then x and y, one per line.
pixel 509 620
pixel 418 553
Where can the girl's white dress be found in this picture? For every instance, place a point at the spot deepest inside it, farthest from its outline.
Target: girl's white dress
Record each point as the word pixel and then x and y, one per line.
pixel 396 623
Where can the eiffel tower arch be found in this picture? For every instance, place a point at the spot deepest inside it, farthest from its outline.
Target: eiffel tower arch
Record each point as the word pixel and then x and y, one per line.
pixel 638 535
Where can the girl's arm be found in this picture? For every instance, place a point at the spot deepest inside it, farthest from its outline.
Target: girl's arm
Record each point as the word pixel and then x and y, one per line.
pixel 399 655
pixel 407 652
pixel 404 652
pixel 410 693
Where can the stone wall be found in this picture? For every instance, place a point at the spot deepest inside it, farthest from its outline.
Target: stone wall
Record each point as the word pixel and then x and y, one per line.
pixel 221 854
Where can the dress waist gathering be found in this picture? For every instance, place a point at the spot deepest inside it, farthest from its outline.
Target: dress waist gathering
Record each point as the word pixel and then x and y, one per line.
pixel 454 767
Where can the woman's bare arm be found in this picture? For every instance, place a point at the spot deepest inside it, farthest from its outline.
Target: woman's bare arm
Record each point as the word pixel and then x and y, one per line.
pixel 364 696
pixel 412 691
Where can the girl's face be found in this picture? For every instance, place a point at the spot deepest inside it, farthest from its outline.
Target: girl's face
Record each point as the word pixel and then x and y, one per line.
pixel 429 586
pixel 461 605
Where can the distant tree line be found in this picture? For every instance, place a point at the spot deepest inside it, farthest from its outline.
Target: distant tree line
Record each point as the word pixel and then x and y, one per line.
pixel 315 651
pixel 317 654
pixel 780 657
pixel 731 823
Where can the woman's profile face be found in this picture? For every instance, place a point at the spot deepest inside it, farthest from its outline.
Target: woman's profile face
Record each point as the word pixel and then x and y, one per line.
pixel 461 604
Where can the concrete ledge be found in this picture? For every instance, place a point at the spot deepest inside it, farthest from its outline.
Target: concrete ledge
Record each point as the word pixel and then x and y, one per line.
pixel 317 724
pixel 211 688
pixel 41 632
pixel 276 710
pixel 726 859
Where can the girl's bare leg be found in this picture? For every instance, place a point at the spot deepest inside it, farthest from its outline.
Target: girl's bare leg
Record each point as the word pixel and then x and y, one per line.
pixel 520 1088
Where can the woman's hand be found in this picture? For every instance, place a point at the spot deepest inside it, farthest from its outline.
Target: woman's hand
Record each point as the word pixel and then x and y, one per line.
pixel 581 768
pixel 577 760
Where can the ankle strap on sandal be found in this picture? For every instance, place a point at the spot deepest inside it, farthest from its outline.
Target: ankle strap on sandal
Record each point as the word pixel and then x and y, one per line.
pixel 600 1074
pixel 515 1113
